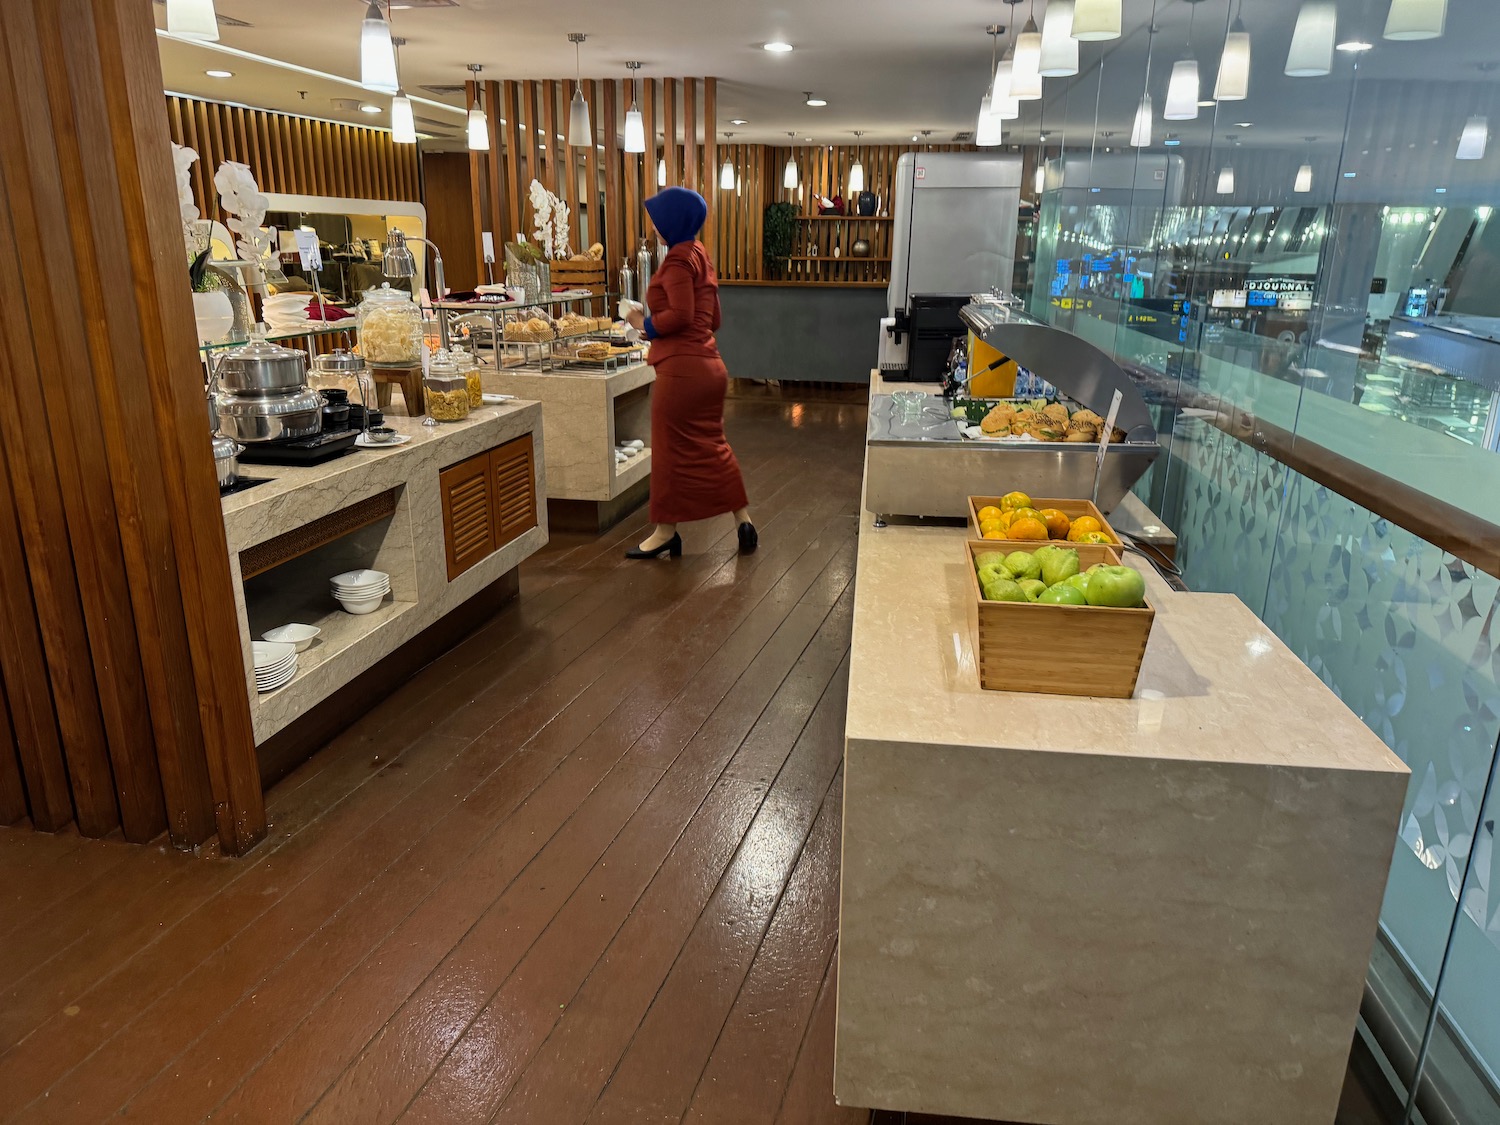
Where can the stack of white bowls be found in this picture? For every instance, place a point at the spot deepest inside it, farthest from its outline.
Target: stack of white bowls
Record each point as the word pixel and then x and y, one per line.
pixel 275 665
pixel 361 591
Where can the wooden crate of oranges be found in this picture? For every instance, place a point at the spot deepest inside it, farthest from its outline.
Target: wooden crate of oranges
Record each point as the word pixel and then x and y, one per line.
pixel 1018 516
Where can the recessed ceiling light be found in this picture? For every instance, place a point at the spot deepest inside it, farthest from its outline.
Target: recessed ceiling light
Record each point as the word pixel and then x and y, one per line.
pixel 1244 124
pixel 219 73
pixel 1354 46
pixel 739 121
pixel 807 139
pixel 368 108
pixel 816 103
pixel 1206 104
pixel 778 47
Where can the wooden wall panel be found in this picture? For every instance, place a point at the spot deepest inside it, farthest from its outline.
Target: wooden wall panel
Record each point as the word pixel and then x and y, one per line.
pixel 294 155
pixel 450 219
pixel 121 651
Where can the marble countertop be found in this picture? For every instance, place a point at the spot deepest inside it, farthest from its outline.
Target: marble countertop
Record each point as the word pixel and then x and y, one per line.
pixel 293 495
pixel 1215 686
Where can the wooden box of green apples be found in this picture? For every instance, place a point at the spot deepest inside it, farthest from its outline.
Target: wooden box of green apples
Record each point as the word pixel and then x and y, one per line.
pixel 1059 619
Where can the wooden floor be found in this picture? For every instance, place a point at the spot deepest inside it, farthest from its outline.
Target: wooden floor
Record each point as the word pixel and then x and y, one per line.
pixel 583 868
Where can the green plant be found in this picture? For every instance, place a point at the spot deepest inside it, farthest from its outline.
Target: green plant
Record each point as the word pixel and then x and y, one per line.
pixel 780 233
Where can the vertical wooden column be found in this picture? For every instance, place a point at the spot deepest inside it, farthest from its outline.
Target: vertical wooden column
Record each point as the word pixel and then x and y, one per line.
pixel 691 170
pixel 669 129
pixel 501 186
pixel 478 186
pixel 111 495
pixel 711 160
pixel 614 201
pixel 515 198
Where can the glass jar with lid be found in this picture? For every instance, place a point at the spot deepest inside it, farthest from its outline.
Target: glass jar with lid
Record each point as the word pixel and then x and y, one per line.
pixel 446 389
pixel 344 370
pixel 468 367
pixel 390 328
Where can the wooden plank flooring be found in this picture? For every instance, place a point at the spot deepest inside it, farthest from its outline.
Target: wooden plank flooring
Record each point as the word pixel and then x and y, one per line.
pixel 582 868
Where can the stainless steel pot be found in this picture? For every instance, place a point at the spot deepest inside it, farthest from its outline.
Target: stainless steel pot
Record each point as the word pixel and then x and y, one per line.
pixel 261 367
pixel 263 418
pixel 227 460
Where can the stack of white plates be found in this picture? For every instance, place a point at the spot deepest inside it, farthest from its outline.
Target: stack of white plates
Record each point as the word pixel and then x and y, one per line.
pixel 361 591
pixel 286 311
pixel 275 665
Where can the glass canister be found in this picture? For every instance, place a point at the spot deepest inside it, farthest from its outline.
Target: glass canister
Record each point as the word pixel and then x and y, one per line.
pixel 468 367
pixel 446 389
pixel 345 371
pixel 390 328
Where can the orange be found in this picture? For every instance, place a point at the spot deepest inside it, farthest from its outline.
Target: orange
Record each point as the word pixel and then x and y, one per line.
pixel 990 525
pixel 1027 528
pixel 1006 519
pixel 1028 514
pixel 1013 500
pixel 996 534
pixel 1082 526
pixel 1057 523
pixel 989 512
pixel 1095 537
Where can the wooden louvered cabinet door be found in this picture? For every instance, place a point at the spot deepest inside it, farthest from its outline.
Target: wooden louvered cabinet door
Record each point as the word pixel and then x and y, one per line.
pixel 513 484
pixel 468 513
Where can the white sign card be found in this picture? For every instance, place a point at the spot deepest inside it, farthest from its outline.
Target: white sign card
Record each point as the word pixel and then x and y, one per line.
pixel 307 250
pixel 1104 436
pixel 489 246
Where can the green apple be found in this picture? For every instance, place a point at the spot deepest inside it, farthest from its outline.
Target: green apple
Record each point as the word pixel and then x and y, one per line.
pixel 1059 566
pixel 1023 564
pixel 1063 594
pixel 1033 588
pixel 989 558
pixel 1079 582
pixel 1119 587
pixel 1004 590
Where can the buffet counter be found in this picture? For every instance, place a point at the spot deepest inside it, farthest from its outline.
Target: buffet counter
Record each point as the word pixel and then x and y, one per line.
pixel 587 414
pixel 445 515
pixel 1059 908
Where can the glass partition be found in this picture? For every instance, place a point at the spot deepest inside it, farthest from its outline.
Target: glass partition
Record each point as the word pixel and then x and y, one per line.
pixel 1306 284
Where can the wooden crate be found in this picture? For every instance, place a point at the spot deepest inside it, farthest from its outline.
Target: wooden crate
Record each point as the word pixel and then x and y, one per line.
pixel 578 275
pixel 1055 649
pixel 1070 508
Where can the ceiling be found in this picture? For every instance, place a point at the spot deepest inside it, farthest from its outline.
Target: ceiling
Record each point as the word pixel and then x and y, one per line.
pixel 888 69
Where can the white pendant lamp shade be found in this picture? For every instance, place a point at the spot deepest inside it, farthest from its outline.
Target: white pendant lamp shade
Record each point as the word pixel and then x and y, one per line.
pixel 1003 106
pixel 1226 180
pixel 193 19
pixel 1233 83
pixel 1096 20
pixel 377 54
pixel 1311 54
pixel 635 132
pixel 1140 133
pixel 1416 19
pixel 403 120
pixel 1474 139
pixel 1182 92
pixel 1303 182
pixel 789 178
pixel 1041 178
pixel 989 131
pixel 856 178
pixel 726 176
pixel 1025 75
pixel 479 131
pixel 1059 48
pixel 661 172
pixel 580 129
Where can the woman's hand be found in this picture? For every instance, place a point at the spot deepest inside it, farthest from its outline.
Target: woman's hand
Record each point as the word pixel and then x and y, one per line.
pixel 636 319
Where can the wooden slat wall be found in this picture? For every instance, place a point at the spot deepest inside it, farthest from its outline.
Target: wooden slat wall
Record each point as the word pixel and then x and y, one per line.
pixel 124 684
pixel 294 155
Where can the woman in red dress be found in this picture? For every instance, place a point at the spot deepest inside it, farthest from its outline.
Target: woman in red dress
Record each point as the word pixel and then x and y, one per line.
pixel 694 475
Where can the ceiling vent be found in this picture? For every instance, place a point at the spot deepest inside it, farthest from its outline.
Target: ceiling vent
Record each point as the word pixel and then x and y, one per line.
pixel 445 89
pixel 964 137
pixel 224 21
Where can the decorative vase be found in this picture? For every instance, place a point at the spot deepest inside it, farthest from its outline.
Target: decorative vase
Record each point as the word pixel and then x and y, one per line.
pixel 860 249
pixel 867 203
pixel 214 313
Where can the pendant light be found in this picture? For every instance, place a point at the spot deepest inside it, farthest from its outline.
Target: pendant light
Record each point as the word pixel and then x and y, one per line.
pixel 1233 82
pixel 580 129
pixel 1059 48
pixel 991 130
pixel 403 120
pixel 1409 19
pixel 1140 133
pixel 1041 177
pixel 988 129
pixel 1026 58
pixel 1474 139
pixel 479 125
pixel 726 173
pixel 1311 53
pixel 661 172
pixel 1096 20
pixel 635 127
pixel 193 19
pixel 1226 180
pixel 1182 92
pixel 1304 180
pixel 789 178
pixel 377 54
pixel 857 169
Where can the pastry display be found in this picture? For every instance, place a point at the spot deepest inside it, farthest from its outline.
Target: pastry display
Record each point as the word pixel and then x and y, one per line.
pixel 1036 419
pixel 533 331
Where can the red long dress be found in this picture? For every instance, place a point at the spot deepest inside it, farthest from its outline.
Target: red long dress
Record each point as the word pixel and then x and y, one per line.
pixel 694 474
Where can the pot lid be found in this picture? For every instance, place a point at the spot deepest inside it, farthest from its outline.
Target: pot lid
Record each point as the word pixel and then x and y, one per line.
pixel 339 362
pixel 388 295
pixel 259 348
pixel 262 405
pixel 225 447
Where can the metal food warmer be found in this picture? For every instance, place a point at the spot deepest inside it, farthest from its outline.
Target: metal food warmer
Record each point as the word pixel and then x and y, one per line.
pixel 919 463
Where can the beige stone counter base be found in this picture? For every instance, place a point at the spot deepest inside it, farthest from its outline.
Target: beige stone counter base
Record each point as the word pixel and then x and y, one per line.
pixel 1154 910
pixel 408 544
pixel 586 413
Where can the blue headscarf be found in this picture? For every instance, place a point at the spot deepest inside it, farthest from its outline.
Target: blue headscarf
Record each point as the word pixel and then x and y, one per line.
pixel 679 214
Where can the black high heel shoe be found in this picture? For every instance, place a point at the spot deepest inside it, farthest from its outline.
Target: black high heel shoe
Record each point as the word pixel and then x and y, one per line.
pixel 749 539
pixel 672 546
